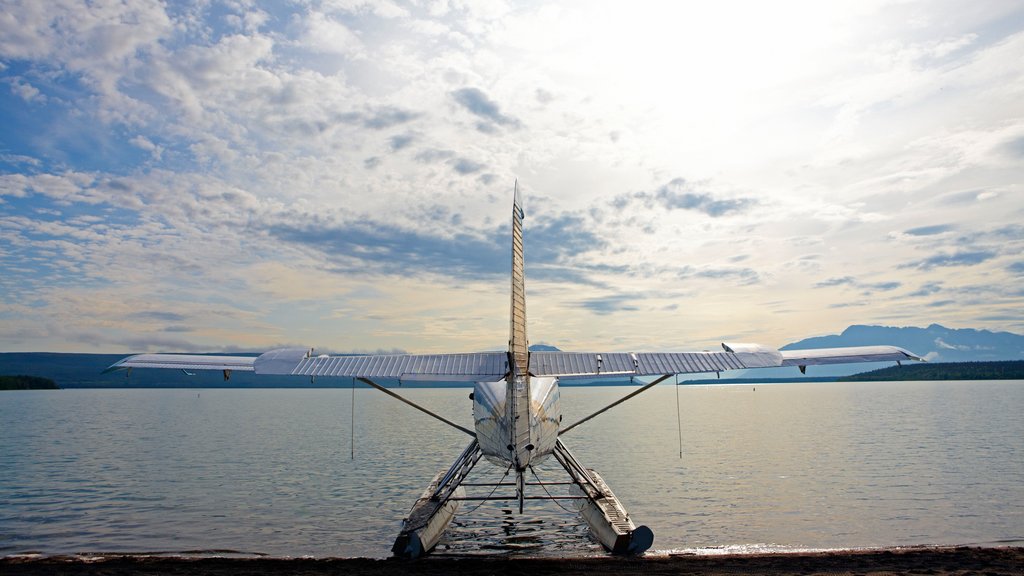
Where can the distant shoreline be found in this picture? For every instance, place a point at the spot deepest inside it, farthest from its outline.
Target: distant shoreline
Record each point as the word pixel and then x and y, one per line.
pixel 920 560
pixel 79 370
pixel 939 371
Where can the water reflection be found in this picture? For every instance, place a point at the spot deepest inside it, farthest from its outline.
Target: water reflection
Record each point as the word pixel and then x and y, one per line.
pixel 269 471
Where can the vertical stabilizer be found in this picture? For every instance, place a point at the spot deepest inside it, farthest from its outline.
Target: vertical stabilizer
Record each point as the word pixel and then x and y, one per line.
pixel 517 389
pixel 518 346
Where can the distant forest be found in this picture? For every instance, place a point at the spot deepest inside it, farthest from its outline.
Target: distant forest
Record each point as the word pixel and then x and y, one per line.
pixel 1006 370
pixel 22 382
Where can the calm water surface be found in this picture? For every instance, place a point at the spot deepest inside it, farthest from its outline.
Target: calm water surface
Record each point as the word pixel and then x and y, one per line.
pixel 782 467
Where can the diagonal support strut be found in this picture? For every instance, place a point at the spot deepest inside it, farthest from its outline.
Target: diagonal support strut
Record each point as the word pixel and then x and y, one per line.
pixel 614 404
pixel 397 396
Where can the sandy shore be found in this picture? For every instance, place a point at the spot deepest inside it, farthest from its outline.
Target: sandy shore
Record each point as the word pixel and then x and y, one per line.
pixel 930 561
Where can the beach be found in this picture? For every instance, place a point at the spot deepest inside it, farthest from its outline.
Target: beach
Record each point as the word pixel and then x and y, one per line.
pixel 914 560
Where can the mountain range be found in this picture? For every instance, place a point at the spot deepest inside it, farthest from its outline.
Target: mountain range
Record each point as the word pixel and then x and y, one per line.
pixel 936 343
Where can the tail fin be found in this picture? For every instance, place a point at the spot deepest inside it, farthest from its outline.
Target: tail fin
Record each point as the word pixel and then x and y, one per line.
pixel 517 343
pixel 517 388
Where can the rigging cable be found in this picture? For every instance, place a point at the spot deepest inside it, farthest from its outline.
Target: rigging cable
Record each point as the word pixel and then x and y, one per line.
pixel 496 484
pixel 352 432
pixel 679 421
pixel 552 498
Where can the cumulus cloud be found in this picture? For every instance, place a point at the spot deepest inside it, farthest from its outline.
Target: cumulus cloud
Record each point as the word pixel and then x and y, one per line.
pixel 927 289
pixel 610 304
pixel 943 260
pixel 678 194
pixel 867 288
pixel 742 276
pixel 156 154
pixel 466 166
pixel 401 141
pixel 389 249
pixel 480 105
pixel 929 230
pixel 843 281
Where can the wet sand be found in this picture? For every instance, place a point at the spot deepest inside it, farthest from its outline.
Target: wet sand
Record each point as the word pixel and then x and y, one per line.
pixel 918 560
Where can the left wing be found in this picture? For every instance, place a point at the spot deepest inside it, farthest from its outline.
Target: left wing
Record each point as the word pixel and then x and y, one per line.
pixel 846 355
pixel 732 357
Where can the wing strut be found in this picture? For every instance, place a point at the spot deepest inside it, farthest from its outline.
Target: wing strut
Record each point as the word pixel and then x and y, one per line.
pixel 614 404
pixel 373 384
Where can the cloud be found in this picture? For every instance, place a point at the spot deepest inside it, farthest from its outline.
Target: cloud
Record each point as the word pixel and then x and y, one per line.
pixel 430 156
pixel 554 240
pixel 1015 147
pixel 161 316
pixel 325 34
pixel 964 258
pixel 401 141
pixel 156 154
pixel 479 104
pixel 610 304
pixel 151 342
pixel 929 230
pixel 927 289
pixel 843 281
pixel 868 288
pixel 678 194
pixel 465 166
pixel 743 276
pixel 386 117
pixel 389 249
pixel 882 286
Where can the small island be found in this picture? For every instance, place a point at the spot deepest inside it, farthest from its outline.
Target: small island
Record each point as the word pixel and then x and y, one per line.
pixel 22 382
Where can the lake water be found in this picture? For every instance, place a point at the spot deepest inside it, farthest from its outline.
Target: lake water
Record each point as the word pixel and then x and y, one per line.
pixel 779 467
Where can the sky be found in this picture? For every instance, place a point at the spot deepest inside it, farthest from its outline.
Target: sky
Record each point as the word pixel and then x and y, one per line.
pixel 234 175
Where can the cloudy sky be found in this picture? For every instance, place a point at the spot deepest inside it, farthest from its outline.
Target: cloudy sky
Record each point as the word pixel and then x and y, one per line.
pixel 207 175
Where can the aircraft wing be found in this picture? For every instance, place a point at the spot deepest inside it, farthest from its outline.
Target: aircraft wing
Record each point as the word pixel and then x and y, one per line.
pixel 185 362
pixel 846 355
pixel 491 366
pixel 732 357
pixel 300 362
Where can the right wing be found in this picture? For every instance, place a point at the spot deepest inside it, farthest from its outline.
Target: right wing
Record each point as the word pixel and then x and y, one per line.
pixel 185 362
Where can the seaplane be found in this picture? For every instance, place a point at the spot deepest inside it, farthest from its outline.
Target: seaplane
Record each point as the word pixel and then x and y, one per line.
pixel 517 415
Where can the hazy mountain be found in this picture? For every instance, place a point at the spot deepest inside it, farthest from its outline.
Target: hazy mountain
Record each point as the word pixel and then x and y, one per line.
pixel 935 343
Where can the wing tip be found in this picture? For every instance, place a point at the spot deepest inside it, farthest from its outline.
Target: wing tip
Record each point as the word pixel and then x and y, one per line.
pixel 119 365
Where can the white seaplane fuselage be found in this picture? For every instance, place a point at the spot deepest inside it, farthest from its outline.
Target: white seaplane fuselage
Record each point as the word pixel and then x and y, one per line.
pixel 497 426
